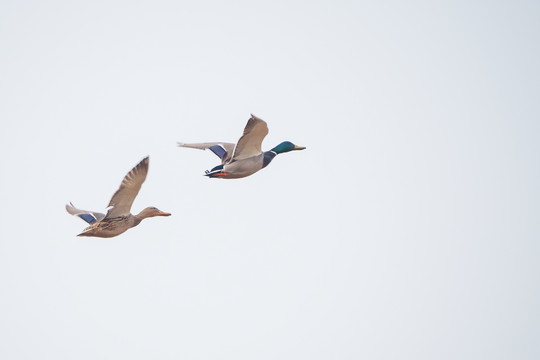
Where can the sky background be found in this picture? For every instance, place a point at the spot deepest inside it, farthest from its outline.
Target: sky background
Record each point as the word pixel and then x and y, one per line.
pixel 408 229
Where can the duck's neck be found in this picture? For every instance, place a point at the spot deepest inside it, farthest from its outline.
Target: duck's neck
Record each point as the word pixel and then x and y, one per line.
pixel 268 157
pixel 140 217
pixel 136 219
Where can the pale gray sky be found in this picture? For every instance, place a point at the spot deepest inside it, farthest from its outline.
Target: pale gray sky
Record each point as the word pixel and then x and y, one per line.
pixel 408 229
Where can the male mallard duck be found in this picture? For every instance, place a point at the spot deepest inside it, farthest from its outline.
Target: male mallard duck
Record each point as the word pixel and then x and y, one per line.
pixel 118 218
pixel 246 157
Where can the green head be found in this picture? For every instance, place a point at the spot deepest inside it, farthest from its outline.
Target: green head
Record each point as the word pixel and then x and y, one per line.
pixel 286 146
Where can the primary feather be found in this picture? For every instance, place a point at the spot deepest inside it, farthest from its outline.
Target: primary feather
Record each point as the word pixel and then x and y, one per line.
pixel 88 216
pixel 250 142
pixel 225 154
pixel 123 198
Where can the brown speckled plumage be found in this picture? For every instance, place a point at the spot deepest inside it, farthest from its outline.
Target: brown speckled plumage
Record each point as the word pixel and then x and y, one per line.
pixel 119 218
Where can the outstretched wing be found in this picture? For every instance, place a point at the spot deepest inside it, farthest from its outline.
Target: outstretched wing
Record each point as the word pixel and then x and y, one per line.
pixel 249 144
pixel 123 198
pixel 88 216
pixel 221 149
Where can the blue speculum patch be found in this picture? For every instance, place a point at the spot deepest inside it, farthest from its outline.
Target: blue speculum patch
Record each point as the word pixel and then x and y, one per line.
pixel 88 218
pixel 218 150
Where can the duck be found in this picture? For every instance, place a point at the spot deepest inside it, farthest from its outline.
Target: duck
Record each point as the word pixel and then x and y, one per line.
pixel 118 218
pixel 245 157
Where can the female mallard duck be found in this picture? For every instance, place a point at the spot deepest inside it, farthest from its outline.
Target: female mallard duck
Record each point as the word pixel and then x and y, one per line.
pixel 246 157
pixel 118 218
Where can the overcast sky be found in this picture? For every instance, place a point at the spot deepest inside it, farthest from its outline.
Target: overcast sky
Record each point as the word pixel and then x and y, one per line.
pixel 408 229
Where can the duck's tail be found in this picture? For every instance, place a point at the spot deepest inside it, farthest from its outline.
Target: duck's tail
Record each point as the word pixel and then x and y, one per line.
pixel 216 172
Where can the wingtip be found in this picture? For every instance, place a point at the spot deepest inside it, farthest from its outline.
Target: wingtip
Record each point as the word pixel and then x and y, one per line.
pixel 256 118
pixel 144 162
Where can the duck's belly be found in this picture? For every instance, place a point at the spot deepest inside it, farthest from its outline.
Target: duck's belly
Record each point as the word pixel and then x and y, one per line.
pixel 102 233
pixel 108 228
pixel 242 168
